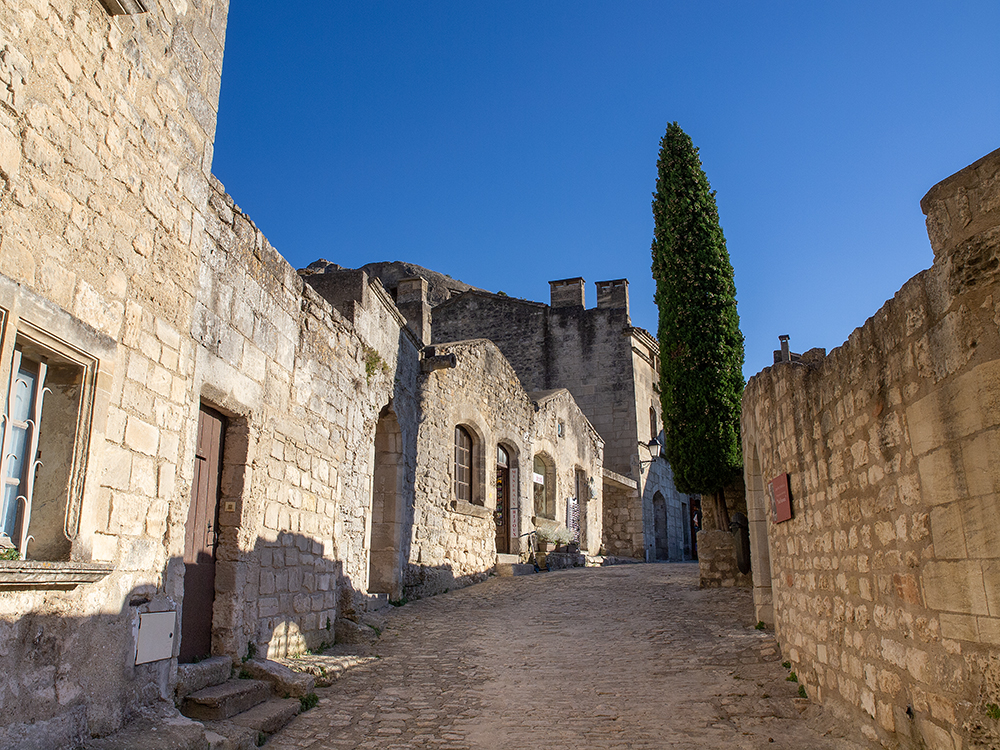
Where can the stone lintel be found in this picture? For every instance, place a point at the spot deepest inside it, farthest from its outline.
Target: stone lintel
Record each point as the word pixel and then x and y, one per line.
pixel 37 574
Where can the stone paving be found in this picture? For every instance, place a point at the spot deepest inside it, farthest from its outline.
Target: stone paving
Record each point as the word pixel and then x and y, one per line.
pixel 632 656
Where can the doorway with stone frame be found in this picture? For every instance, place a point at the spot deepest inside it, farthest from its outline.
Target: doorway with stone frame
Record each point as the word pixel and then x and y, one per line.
pixel 201 538
pixel 503 510
pixel 662 548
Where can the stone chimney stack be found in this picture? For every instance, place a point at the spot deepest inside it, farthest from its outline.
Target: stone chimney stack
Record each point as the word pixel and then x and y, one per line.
pixel 567 292
pixel 411 299
pixel 613 294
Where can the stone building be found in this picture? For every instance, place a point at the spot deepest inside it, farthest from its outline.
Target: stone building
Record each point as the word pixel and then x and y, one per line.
pixel 611 369
pixel 205 452
pixel 883 583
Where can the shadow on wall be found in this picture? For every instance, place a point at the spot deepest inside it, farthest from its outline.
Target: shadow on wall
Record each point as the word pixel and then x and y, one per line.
pixel 428 580
pixel 65 678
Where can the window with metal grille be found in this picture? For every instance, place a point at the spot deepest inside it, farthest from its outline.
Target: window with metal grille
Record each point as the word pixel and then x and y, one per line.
pixel 463 464
pixel 41 457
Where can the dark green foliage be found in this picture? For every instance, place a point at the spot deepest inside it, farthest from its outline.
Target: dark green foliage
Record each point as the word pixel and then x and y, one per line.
pixel 701 347
pixel 309 701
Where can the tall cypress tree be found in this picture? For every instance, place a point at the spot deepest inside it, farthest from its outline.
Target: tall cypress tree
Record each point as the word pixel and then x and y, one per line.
pixel 701 346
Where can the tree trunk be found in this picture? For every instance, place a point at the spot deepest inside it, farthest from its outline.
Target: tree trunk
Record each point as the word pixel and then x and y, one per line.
pixel 721 511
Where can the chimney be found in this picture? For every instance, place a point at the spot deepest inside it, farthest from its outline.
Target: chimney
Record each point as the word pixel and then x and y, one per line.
pixel 567 292
pixel 784 354
pixel 613 294
pixel 411 299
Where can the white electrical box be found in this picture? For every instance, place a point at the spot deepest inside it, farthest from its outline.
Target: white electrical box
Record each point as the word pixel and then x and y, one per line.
pixel 155 640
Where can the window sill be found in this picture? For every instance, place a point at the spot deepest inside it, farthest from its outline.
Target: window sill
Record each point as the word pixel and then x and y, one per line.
pixel 468 509
pixel 32 574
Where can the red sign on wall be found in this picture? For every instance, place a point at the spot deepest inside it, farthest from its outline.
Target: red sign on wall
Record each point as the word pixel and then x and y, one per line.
pixel 781 499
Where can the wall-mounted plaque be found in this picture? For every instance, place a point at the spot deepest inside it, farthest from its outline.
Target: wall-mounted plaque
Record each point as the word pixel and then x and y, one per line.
pixel 781 499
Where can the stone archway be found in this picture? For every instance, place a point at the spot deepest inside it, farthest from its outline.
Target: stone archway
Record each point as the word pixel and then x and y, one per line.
pixel 662 540
pixel 387 508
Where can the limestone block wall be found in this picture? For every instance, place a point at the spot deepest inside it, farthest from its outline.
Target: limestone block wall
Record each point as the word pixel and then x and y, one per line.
pixel 717 561
pixel 624 522
pixel 106 130
pixel 885 582
pixel 563 433
pixel 585 351
pixel 304 389
pixel 453 541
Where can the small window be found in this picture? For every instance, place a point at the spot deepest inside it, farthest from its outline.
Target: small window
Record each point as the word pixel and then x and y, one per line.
pixel 654 427
pixel 41 456
pixel 463 464
pixel 561 429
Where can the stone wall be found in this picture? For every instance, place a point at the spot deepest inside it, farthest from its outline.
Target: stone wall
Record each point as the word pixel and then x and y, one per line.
pixel 717 561
pixel 611 369
pixel 304 387
pixel 454 541
pixel 885 582
pixel 106 130
pixel 562 433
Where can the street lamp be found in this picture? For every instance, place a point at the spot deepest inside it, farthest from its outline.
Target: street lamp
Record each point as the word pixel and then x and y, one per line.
pixel 654 452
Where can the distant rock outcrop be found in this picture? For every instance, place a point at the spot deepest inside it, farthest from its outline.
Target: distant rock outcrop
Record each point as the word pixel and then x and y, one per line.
pixel 440 287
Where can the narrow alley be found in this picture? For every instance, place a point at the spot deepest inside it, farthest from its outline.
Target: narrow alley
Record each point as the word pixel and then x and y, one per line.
pixel 633 656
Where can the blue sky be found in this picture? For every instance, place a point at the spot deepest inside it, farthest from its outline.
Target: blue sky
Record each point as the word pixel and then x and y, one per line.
pixel 512 143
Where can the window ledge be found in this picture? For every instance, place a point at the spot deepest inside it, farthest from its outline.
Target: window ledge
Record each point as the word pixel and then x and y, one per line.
pixel 32 574
pixel 468 509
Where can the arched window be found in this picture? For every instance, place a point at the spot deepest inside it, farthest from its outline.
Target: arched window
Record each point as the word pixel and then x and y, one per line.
pixel 545 491
pixel 463 464
pixel 654 427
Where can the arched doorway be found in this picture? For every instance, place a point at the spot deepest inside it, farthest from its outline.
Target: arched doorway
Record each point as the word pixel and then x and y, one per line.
pixel 660 527
pixel 502 513
pixel 387 510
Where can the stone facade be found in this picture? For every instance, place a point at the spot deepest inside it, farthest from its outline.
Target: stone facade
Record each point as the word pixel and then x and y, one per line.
pixel 611 369
pixel 883 586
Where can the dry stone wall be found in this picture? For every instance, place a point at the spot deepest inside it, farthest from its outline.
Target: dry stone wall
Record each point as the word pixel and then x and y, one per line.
pixel 885 582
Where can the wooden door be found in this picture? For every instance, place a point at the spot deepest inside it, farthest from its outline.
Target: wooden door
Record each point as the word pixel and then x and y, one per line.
pixel 502 513
pixel 200 539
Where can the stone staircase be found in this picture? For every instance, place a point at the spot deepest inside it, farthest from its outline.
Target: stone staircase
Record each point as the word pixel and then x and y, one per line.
pixel 239 712
pixel 511 565
pixel 217 710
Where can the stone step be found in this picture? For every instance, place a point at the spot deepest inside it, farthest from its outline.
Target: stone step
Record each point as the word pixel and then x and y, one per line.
pixel 269 716
pixel 194 677
pixel 504 559
pixel 376 602
pixel 226 700
pixel 224 735
pixel 284 682
pixel 245 730
pixel 160 729
pixel 506 570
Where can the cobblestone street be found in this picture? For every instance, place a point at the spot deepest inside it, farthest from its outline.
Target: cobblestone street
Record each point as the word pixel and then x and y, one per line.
pixel 633 656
